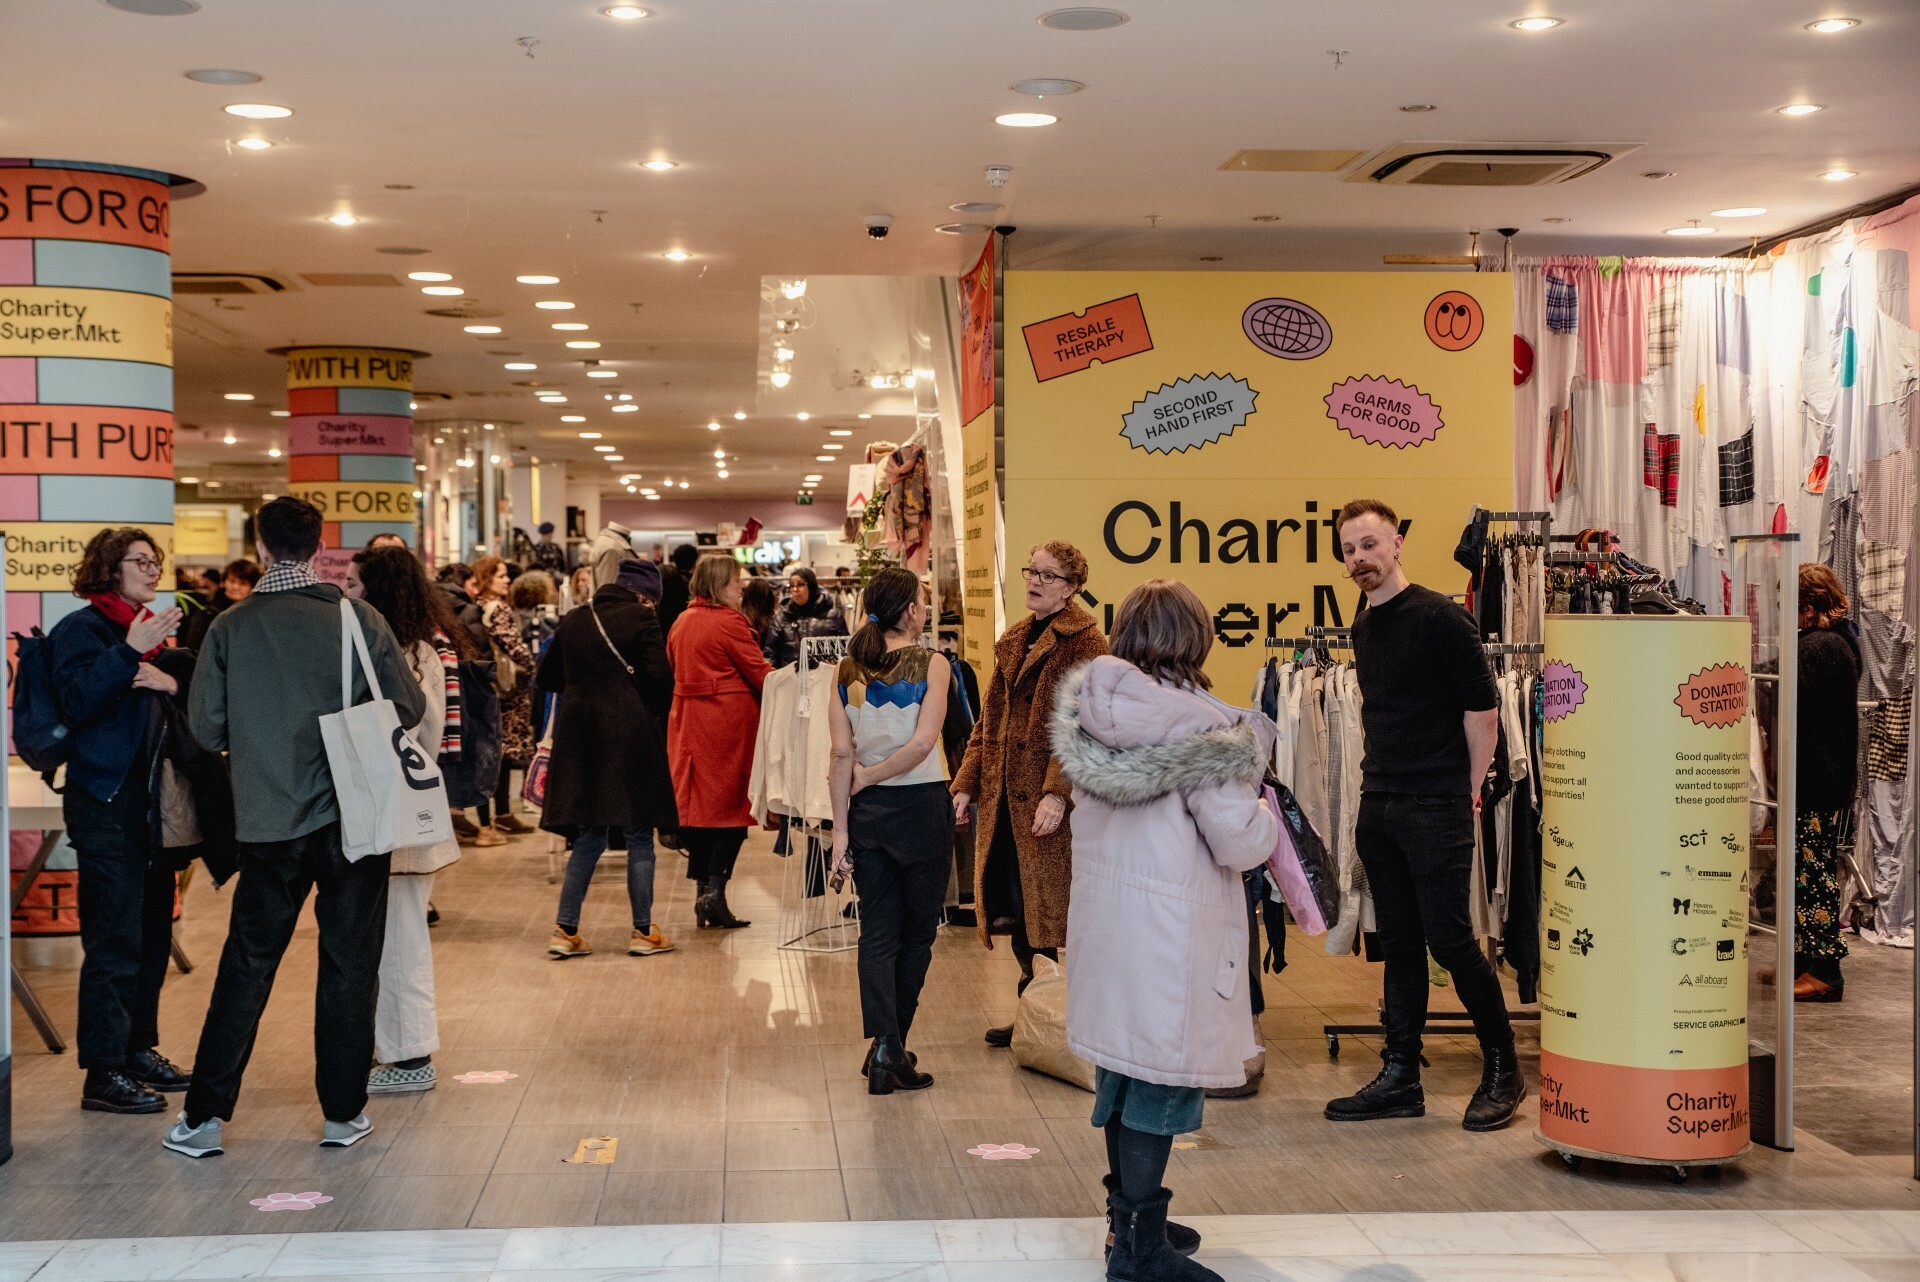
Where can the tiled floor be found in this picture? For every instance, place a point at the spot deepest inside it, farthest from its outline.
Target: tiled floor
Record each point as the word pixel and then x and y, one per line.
pixel 1713 1246
pixel 727 1071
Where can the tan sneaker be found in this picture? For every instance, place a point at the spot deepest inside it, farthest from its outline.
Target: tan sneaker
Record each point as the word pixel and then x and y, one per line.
pixel 564 945
pixel 489 836
pixel 645 944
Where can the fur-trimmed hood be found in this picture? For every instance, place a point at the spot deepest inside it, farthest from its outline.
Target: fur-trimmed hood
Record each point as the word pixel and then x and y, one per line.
pixel 1127 739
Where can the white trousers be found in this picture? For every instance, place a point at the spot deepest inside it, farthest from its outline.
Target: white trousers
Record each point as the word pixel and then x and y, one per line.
pixel 404 1024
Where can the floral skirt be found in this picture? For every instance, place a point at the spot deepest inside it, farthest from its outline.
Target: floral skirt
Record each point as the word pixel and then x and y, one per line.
pixel 1816 887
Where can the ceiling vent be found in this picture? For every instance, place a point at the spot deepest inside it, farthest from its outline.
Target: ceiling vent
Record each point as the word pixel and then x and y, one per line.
pixel 1527 164
pixel 226 283
pixel 351 280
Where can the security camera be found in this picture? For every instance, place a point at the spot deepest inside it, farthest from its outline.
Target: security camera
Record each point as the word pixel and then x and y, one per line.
pixel 878 225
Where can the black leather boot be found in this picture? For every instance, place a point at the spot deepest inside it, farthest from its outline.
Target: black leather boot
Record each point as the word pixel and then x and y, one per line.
pixel 1002 1036
pixel 110 1090
pixel 719 916
pixel 866 1065
pixel 1395 1092
pixel 1141 1251
pixel 156 1072
pixel 892 1070
pixel 1502 1087
pixel 1183 1240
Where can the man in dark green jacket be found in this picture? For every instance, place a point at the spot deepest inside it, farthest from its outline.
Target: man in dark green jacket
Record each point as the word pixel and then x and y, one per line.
pixel 270 670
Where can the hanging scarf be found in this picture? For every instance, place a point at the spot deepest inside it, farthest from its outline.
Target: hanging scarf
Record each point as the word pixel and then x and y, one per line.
pixel 123 613
pixel 450 673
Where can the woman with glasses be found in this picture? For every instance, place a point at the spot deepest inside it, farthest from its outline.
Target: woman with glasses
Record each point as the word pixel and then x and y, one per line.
pixel 123 694
pixel 1023 853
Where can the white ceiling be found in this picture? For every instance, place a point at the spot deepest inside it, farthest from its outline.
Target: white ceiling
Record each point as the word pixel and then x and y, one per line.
pixel 793 120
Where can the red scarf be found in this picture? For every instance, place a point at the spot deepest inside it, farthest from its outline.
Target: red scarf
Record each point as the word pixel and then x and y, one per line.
pixel 124 613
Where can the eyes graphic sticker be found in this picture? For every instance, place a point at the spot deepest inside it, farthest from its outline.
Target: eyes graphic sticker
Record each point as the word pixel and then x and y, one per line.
pixel 1455 321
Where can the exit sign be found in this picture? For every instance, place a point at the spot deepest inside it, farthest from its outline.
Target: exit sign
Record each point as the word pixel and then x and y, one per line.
pixel 803 499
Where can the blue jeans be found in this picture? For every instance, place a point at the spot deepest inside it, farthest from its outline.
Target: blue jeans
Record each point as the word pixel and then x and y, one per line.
pixel 586 852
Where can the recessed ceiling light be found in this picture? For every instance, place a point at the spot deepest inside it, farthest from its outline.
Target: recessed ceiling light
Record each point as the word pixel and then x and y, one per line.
pixel 1692 229
pixel 520 365
pixel 654 498
pixel 342 219
pixel 280 413
pixel 833 445
pixel 189 480
pixel 573 418
pixel 713 427
pixel 538 280
pixel 866 416
pixel 841 431
pixel 583 344
pixel 238 396
pixel 976 207
pixel 1838 175
pixel 803 416
pixel 274 452
pixel 570 325
pixel 780 377
pixel 603 449
pixel 481 329
pixel 1827 26
pixel 429 276
pixel 1419 108
pixel 1657 174
pixel 1801 108
pixel 719 453
pixel 257 111
pixel 627 12
pixel 626 409
pixel 723 474
pixel 684 484
pixel 229 439
pixel 590 436
pixel 1025 119
pixel 823 458
pixel 962 229
pixel 676 255
pixel 811 476
pixel 616 458
pixel 659 166
pixel 626 396
pixel 1047 88
pixel 442 291
pixel 739 416
pixel 1083 19
pixel 554 305
pixel 1536 24
pixel 602 373
pixel 1740 211
pixel 252 144
pixel 224 76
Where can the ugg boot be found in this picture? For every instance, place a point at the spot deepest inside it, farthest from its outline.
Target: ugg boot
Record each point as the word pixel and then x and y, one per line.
pixel 1394 1093
pixel 1141 1251
pixel 1183 1240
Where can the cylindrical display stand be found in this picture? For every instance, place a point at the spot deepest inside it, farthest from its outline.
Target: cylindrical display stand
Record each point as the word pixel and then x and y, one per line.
pixel 350 445
pixel 1643 986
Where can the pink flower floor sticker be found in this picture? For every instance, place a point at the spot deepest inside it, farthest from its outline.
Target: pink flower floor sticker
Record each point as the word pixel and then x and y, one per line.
pixel 1003 1152
pixel 492 1077
pixel 1384 412
pixel 289 1201
pixel 1566 689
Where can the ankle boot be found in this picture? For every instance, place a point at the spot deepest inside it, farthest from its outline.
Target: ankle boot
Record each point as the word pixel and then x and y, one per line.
pixel 866 1065
pixel 1141 1251
pixel 891 1070
pixel 1502 1087
pixel 1183 1240
pixel 1394 1093
pixel 718 914
pixel 113 1090
pixel 703 907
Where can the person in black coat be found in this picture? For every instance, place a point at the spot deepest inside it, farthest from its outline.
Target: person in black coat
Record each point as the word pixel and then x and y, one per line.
pixel 674 579
pixel 236 584
pixel 1827 776
pixel 123 694
pixel 809 612
pixel 452 580
pixel 608 768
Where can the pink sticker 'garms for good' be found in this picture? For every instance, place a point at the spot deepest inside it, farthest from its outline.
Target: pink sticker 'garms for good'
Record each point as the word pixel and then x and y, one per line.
pixel 1384 412
pixel 1715 696
pixel 1564 689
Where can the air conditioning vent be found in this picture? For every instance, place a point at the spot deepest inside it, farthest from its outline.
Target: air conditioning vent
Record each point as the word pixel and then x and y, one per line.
pixel 1433 164
pixel 351 280
pixel 226 283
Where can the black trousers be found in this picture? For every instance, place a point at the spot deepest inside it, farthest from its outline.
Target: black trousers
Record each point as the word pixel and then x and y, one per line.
pixel 126 921
pixel 1003 888
pixel 901 841
pixel 711 852
pixel 1418 853
pixel 351 909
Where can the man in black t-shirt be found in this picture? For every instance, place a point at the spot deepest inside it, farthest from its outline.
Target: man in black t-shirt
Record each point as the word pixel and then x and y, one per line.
pixel 1429 711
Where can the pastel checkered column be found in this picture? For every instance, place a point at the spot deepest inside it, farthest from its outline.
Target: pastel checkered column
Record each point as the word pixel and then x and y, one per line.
pixel 86 371
pixel 350 445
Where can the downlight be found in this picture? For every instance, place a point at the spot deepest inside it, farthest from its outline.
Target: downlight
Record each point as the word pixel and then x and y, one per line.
pixel 1083 19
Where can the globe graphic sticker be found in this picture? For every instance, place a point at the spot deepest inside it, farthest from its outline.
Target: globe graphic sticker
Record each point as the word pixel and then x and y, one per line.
pixel 1287 328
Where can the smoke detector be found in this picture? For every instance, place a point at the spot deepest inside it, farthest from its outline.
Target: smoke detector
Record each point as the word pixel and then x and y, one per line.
pixel 997 175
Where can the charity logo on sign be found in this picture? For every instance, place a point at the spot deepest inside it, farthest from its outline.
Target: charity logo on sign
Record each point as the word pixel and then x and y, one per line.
pixel 1583 941
pixel 1576 880
pixel 1715 696
pixel 1287 328
pixel 1182 416
pixel 1681 907
pixel 1553 939
pixel 1384 412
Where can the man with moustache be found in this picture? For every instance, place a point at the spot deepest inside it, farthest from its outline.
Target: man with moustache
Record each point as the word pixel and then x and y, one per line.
pixel 1430 715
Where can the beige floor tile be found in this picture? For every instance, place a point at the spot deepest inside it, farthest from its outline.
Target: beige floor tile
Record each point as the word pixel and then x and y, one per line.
pixel 769 1197
pixel 538 1201
pixel 663 1197
pixel 781 1146
pixel 912 1193
pixel 414 1202
pixel 443 1150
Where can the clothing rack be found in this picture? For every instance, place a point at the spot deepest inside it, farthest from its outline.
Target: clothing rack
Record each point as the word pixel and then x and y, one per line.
pixel 812 651
pixel 827 923
pixel 1512 647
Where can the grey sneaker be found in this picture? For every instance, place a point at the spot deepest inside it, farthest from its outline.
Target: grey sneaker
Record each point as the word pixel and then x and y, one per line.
pixel 390 1079
pixel 346 1134
pixel 195 1141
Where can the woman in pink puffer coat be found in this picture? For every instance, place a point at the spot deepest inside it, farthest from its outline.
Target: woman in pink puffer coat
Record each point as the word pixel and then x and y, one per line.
pixel 1167 814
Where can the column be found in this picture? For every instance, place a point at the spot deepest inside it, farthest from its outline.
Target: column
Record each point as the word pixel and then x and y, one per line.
pixel 86 371
pixel 350 445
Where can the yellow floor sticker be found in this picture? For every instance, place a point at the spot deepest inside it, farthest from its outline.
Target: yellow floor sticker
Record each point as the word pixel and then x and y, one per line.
pixel 595 1150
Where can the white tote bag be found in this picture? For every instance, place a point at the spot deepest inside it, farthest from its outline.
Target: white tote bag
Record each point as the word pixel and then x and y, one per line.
pixel 391 794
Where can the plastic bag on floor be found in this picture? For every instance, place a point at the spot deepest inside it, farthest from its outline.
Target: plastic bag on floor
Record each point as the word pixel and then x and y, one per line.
pixel 1040 1028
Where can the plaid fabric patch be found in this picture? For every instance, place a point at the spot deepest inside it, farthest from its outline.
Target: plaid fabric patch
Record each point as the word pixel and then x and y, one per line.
pixel 1883 576
pixel 1736 471
pixel 1661 464
pixel 1887 499
pixel 283 576
pixel 1663 327
pixel 1563 305
pixel 1845 545
pixel 1887 738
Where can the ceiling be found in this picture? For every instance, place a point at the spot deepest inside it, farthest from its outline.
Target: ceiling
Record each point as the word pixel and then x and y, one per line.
pixel 438 127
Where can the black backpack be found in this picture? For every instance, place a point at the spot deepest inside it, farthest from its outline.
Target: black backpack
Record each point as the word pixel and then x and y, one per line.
pixel 43 740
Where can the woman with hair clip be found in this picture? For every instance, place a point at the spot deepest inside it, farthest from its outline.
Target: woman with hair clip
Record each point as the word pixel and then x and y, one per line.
pixel 892 826
pixel 406 1027
pixel 1828 770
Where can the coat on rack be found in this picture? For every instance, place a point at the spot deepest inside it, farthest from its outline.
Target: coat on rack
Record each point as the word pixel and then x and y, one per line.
pixel 1011 753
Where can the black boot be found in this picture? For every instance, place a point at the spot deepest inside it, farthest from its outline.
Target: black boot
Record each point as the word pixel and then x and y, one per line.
pixel 1141 1251
pixel 1502 1087
pixel 1002 1036
pixel 111 1090
pixel 866 1065
pixel 719 915
pixel 1394 1093
pixel 891 1069
pixel 153 1070
pixel 1183 1240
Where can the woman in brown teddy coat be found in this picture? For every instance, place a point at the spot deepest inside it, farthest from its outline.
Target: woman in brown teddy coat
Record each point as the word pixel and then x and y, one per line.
pixel 1023 851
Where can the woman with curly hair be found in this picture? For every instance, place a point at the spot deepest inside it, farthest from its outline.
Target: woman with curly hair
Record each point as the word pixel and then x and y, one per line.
pixel 1827 776
pixel 490 584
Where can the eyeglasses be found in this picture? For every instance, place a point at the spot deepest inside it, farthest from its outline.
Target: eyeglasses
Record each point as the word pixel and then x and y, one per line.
pixel 1046 577
pixel 145 564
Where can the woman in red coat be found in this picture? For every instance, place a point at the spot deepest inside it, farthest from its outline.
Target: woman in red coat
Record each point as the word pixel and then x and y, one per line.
pixel 717 673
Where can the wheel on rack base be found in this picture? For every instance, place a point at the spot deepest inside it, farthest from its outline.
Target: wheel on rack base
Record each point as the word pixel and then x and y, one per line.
pixel 1333 1046
pixel 1677 1175
pixel 1571 1161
